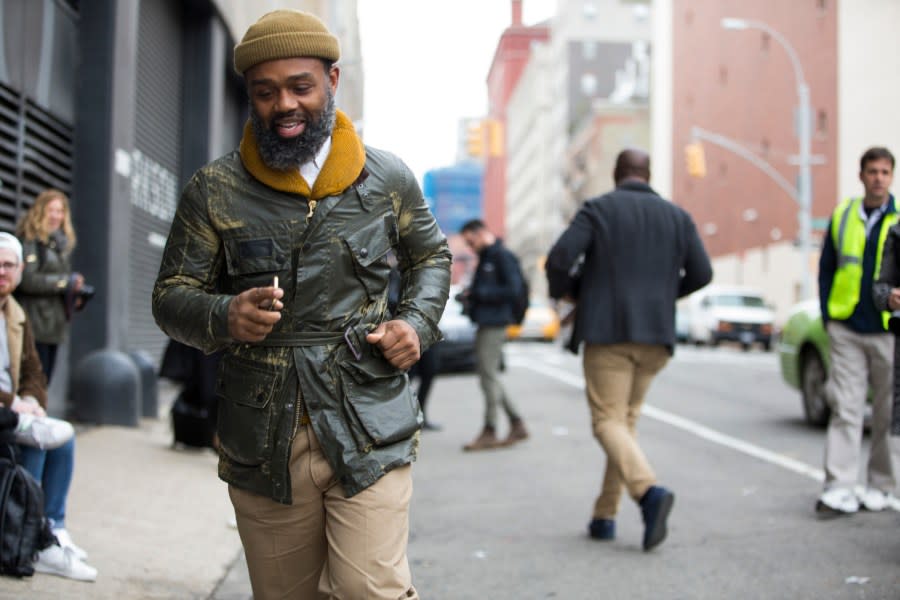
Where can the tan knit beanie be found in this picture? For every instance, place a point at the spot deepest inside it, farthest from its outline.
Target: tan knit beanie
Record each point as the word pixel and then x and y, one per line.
pixel 285 34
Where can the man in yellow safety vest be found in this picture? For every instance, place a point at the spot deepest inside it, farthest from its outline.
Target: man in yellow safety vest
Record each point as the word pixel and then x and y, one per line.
pixel 861 348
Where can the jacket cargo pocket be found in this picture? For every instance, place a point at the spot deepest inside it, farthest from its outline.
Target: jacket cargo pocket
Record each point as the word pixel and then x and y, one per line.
pixel 379 403
pixel 369 248
pixel 245 389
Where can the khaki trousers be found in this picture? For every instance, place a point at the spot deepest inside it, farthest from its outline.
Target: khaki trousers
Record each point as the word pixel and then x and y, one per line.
pixel 859 363
pixel 325 545
pixel 617 377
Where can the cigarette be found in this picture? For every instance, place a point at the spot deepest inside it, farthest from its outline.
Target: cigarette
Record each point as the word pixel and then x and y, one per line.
pixel 274 285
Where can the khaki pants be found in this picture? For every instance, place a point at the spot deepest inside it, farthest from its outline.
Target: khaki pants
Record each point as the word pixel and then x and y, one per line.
pixel 325 545
pixel 858 363
pixel 617 377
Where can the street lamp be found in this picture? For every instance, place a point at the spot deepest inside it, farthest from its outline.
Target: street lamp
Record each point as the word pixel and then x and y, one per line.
pixel 804 133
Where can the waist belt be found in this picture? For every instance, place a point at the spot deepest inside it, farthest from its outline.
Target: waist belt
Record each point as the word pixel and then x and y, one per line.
pixel 301 338
pixel 353 336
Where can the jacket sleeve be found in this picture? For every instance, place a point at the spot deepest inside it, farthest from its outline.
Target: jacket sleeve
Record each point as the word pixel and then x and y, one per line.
pixel 423 260
pixel 32 381
pixel 697 268
pixel 573 242
pixel 35 283
pixel 827 269
pixel 508 286
pixel 889 277
pixel 185 304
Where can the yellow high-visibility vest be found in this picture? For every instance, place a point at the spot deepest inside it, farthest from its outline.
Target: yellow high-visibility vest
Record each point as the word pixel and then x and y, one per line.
pixel 848 232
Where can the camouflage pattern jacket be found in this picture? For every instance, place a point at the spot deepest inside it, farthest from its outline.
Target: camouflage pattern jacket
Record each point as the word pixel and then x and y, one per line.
pixel 237 225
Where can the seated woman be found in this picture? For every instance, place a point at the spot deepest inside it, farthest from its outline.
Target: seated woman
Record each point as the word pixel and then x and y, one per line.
pixel 23 388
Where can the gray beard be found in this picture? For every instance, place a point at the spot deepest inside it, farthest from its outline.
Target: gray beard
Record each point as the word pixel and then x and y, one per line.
pixel 287 154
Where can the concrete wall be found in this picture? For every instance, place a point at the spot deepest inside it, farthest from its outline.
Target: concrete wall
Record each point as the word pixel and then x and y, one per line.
pixel 868 85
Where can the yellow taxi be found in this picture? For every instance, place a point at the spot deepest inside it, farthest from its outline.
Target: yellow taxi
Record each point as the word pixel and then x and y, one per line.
pixel 541 323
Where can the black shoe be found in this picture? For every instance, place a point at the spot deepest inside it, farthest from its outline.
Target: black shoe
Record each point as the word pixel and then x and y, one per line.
pixel 655 507
pixel 602 529
pixel 429 426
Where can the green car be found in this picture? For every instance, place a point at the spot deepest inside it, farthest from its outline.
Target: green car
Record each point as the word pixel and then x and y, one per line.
pixel 804 356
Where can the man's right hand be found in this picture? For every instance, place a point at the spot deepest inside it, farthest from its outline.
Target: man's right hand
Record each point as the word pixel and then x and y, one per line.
pixel 251 314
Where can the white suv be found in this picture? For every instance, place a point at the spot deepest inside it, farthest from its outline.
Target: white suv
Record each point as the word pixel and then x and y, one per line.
pixel 729 313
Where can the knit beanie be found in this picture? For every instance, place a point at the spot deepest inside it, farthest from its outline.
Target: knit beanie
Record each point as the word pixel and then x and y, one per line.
pixel 11 242
pixel 285 34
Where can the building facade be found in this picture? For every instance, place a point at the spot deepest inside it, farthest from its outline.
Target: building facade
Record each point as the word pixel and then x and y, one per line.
pixel 740 84
pixel 581 98
pixel 510 58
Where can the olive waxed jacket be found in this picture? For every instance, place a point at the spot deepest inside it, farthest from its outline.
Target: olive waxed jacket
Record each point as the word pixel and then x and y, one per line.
pixel 233 232
pixel 45 282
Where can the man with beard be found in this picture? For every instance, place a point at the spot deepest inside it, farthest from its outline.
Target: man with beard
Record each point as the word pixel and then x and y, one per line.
pixel 278 255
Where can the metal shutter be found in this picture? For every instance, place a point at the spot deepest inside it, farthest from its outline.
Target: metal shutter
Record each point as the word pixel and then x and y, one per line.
pixel 155 162
pixel 35 154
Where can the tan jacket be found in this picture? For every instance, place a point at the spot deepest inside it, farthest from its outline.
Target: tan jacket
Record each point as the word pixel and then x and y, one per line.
pixel 25 364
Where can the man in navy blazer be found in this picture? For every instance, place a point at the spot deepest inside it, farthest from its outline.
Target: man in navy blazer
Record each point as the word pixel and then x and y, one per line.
pixel 641 253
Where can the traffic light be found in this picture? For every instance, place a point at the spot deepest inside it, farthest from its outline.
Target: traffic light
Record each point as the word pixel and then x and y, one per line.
pixel 495 137
pixel 475 138
pixel 696 160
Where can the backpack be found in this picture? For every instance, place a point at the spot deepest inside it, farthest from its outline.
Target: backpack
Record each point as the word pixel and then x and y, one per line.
pixel 24 531
pixel 520 304
pixel 191 422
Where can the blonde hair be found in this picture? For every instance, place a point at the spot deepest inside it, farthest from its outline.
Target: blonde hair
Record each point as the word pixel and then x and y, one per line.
pixel 32 226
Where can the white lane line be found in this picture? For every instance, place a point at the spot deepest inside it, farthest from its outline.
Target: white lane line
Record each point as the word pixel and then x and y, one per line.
pixel 701 431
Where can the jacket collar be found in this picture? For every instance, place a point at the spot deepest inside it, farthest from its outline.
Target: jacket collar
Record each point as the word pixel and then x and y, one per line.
pixel 343 166
pixel 636 186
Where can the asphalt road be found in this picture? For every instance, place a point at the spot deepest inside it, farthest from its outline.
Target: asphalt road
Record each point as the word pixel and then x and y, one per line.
pixel 720 429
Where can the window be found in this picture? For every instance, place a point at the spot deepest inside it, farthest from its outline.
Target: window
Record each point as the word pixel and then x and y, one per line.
pixel 738 300
pixel 821 123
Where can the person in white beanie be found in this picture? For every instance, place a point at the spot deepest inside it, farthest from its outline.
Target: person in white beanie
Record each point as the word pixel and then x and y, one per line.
pixel 46 445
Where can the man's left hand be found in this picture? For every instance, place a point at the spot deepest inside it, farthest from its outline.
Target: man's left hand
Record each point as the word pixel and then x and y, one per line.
pixel 398 342
pixel 894 299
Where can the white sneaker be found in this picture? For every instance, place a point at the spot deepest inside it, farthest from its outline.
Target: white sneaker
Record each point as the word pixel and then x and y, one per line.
pixel 57 560
pixel 836 502
pixel 45 433
pixel 65 540
pixel 874 499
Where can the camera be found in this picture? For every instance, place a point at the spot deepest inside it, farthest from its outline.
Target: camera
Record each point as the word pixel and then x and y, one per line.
pixel 76 300
pixel 86 293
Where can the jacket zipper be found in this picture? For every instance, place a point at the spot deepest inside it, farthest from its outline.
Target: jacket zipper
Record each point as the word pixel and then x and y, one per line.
pixel 298 412
pixel 312 209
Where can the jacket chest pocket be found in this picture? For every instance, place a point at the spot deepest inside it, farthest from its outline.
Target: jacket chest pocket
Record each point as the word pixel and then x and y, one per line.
pixel 253 258
pixel 245 390
pixel 368 248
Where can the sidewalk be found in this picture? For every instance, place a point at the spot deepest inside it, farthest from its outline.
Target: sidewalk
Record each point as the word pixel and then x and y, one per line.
pixel 154 520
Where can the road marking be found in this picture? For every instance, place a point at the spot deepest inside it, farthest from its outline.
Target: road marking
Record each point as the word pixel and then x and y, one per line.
pixel 702 431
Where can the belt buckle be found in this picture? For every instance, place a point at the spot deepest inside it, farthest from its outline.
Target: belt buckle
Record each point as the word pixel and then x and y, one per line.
pixel 357 353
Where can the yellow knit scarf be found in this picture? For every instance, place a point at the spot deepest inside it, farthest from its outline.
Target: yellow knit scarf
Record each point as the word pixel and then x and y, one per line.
pixel 342 167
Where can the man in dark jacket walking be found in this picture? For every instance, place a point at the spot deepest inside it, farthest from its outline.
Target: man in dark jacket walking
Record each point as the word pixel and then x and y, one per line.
pixel 641 253
pixel 490 300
